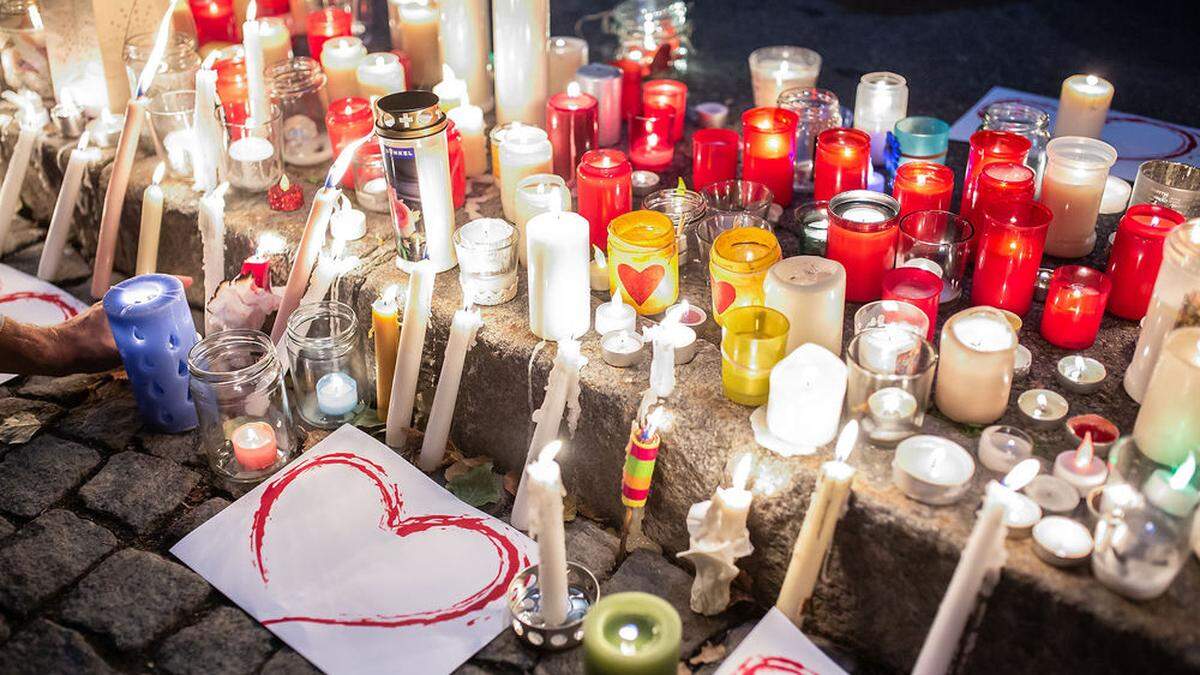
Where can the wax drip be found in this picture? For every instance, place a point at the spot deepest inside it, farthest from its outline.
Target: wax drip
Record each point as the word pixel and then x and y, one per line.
pixel 537 349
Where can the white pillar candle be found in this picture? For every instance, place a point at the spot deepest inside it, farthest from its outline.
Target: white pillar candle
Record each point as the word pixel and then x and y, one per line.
pixel 562 390
pixel 526 150
pixel 64 208
pixel 546 525
pixel 414 25
pixel 805 401
pixel 465 45
pixel 975 368
pixel 380 74
pixel 1083 106
pixel 311 240
pixel 540 193
pixel 468 119
pixel 559 294
pixel 256 86
pixel 880 101
pixel 718 537
pixel 603 82
pixel 615 315
pixel 811 292
pixel 520 34
pixel 564 56
pixel 206 130
pixel 211 220
pixel 151 224
pixel 463 328
pixel 340 58
pixel 14 175
pixel 451 91
pixel 408 353
pixel 1167 429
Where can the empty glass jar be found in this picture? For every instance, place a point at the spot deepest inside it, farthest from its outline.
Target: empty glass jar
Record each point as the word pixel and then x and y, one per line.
pixel 329 377
pixel 686 209
pixel 177 70
pixel 1022 120
pixel 817 110
pixel 297 86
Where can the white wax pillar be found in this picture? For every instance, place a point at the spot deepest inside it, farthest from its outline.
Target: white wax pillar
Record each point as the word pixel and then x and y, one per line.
pixel 465 45
pixel 463 328
pixel 207 132
pixel 559 292
pixel 603 82
pixel 811 292
pixel 408 353
pixel 468 119
pixel 564 56
pixel 539 193
pixel 380 74
pixel 880 101
pixel 520 34
pixel 311 241
pixel 718 537
pixel 64 208
pixel 340 58
pixel 546 525
pixel 14 175
pixel 256 86
pixel 1083 106
pixel 414 25
pixel 526 150
pixel 211 219
pixel 805 402
pixel 151 224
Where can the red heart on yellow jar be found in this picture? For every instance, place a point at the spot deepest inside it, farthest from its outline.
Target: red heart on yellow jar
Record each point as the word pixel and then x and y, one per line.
pixel 640 285
pixel 723 295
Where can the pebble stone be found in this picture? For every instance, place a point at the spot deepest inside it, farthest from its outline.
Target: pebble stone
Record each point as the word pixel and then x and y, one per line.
pixel 41 472
pixel 226 640
pixel 138 490
pixel 287 662
pixel 109 418
pixel 48 554
pixel 6 528
pixel 66 390
pixel 179 448
pixel 46 648
pixel 592 546
pixel 195 517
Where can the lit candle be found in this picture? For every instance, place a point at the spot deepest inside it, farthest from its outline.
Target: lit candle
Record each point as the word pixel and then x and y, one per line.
pixel 717 538
pixel 559 291
pixel 214 19
pixel 337 394
pixel 1172 491
pixel 990 147
pixel 340 59
pixel 667 94
pixel 385 324
pixel 614 315
pixel 463 328
pixel 1136 257
pixel 863 230
pixel 605 190
pixel 1081 467
pixel 347 223
pixel 714 156
pixel 804 405
pixel 603 82
pixel 1168 424
pixel 825 509
pixel 1009 255
pixel 64 208
pixel 1083 106
pixel 410 347
pixel 739 261
pixel 275 39
pixel 1080 374
pixel 256 86
pixel 211 221
pixel 326 23
pixel 932 469
pixel 526 150
pixel 468 119
pixel 258 265
pixel 997 182
pixel 893 415
pixel 975 368
pixel 32 121
pixel 774 70
pixel 632 632
pixel 1042 408
pixel 918 287
pixel 622 348
pixel 1074 306
pixel 520 35
pixel 1072 188
pixel 451 91
pixel 380 74
pixel 841 162
pixel 880 101
pixel 466 43
pixel 769 150
pixel 414 26
pixel 254 445
pixel 571 123
pixel 540 193
pixel 643 260
pixel 565 56
pixel 152 207
pixel 650 145
pixel 598 270
pixel 923 186
pixel 546 525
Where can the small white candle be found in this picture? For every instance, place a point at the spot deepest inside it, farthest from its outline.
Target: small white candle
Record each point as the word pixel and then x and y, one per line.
pixel 718 537
pixel 151 224
pixel 546 525
pixel 566 55
pixel 892 411
pixel 1173 492
pixel 468 119
pixel 380 74
pixel 340 58
pixel 451 91
pixel 1054 495
pixel 463 328
pixel 932 469
pixel 615 315
pixel 1002 447
pixel 540 193
pixel 622 348
pixel 805 402
pixel 337 394
pixel 1061 542
pixel 408 353
pixel 557 246
pixel 347 223
pixel 1081 467
pixel 520 36
pixel 598 277
pixel 64 208
pixel 1042 408
pixel 466 44
pixel 1083 106
pixel 18 163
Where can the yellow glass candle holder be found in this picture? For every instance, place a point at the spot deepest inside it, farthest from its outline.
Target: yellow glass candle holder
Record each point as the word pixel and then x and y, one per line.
pixel 738 266
pixel 643 260
pixel 753 340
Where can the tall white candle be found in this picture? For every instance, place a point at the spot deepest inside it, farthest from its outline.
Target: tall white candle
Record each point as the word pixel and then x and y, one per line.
pixel 520 34
pixel 64 208
pixel 340 58
pixel 151 224
pixel 811 292
pixel 1083 106
pixel 211 219
pixel 546 525
pixel 414 25
pixel 564 56
pixel 256 86
pixel 465 45
pixel 408 354
pixel 463 328
pixel 526 150
pixel 468 119
pixel 559 292
pixel 380 74
pixel 539 193
pixel 14 175
pixel 718 537
pixel 206 129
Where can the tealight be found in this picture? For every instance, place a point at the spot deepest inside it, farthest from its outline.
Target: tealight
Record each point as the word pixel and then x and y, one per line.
pixel 1061 542
pixel 622 348
pixel 1104 433
pixel 1020 514
pixel 684 341
pixel 932 469
pixel 891 410
pixel 254 445
pixel 1080 374
pixel 1173 492
pixel 348 224
pixel 1116 195
pixel 1053 494
pixel 1081 467
pixel 615 315
pixel 337 394
pixel 1001 447
pixel 644 182
pixel 1022 361
pixel 1044 409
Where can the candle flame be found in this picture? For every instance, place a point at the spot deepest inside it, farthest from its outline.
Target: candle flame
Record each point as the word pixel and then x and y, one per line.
pixel 270 243
pixel 741 472
pixel 1042 402
pixel 617 299
pixel 338 170
pixel 654 421
pixel 549 451
pixel 1078 366
pixel 573 90
pixel 285 183
pixel 1085 452
pixel 252 11
pixel 84 139
pixel 156 54
pixel 159 171
pixel 1183 475
pixel 1092 80
pixel 390 294
pixel 598 256
pixel 1021 474
pixel 846 441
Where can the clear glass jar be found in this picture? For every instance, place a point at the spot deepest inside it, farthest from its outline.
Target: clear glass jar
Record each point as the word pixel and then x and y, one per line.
pixel 172 117
pixel 251 159
pixel 880 101
pixel 297 86
pixel 643 262
pixel 817 110
pixel 654 33
pixel 774 70
pixel 888 386
pixel 1172 184
pixel 487 261
pixel 329 377
pixel 178 68
pixel 370 179
pixel 1026 121
pixel 246 426
pixel 686 209
pixel 24 63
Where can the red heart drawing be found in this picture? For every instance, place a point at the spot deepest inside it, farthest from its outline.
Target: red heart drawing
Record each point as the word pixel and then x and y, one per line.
pixel 393 521
pixel 762 665
pixel 640 285
pixel 49 298
pixel 723 295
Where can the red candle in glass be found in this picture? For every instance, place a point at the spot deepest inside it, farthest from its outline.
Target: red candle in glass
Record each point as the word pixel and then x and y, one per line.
pixel 990 147
pixel 323 24
pixel 631 87
pixel 998 182
pixel 232 86
pixel 1010 252
pixel 916 286
pixel 458 165
pixel 1136 256
pixel 571 119
pixel 273 7
pixel 214 21
pixel 841 162
pixel 923 186
pixel 1075 306
pixel 405 61
pixel 769 150
pixel 670 94
pixel 605 191
pixel 650 146
pixel 348 119
pixel 714 156
pixel 862 237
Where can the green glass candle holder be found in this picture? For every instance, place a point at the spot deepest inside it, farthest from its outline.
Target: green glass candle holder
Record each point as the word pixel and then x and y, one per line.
pixel 631 634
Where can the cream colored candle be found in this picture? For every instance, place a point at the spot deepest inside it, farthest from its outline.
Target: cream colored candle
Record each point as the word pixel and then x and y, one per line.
pixel 463 327
pixel 520 34
pixel 468 119
pixel 774 70
pixel 539 193
pixel 1167 429
pixel 275 39
pixel 566 55
pixel 975 368
pixel 340 58
pixel 526 150
pixel 380 74
pixel 451 91
pixel 1072 188
pixel 811 292
pixel 718 537
pixel 151 225
pixel 1083 106
pixel 559 293
pixel 414 25
pixel 465 44
pixel 64 208
pixel 409 350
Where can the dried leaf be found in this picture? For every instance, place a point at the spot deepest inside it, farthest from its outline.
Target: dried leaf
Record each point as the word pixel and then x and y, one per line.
pixel 709 653
pixel 511 480
pixel 585 510
pixel 477 487
pixel 570 507
pixel 19 427
pixel 368 420
pixel 464 465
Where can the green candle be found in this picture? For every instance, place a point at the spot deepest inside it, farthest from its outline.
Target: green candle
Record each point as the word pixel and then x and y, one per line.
pixel 631 634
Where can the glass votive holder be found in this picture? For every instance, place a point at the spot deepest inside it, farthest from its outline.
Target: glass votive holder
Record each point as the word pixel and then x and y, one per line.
pixel 246 427
pixel 715 223
pixel 643 262
pixel 329 375
pixel 487 261
pixel 1075 306
pixel 172 116
pixel 738 264
pixel 251 160
pixel 921 139
pixel 1023 120
pixel 738 196
pixel 890 377
pixel 753 340
pixel 650 144
pixel 177 68
pixel 941 237
pixel 891 312
pixel 686 209
pixel 816 110
pixel 297 86
pixel 1001 447
pixel 1172 184
pixel 370 179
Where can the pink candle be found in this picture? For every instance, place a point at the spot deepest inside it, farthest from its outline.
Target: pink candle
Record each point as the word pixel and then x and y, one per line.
pixel 254 445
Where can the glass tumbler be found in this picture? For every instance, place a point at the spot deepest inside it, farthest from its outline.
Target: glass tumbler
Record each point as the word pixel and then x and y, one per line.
pixel 1026 121
pixel 251 159
pixel 1172 184
pixel 891 313
pixel 329 376
pixel 24 62
pixel 753 340
pixel 297 86
pixel 941 237
pixel 816 110
pixel 738 196
pixel 487 261
pixel 686 209
pixel 370 180
pixel 172 118
pixel 890 378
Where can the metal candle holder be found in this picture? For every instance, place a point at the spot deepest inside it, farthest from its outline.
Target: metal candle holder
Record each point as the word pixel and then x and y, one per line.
pixel 524 603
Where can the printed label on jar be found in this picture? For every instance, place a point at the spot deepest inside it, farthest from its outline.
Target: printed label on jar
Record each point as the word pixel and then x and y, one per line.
pixel 404 192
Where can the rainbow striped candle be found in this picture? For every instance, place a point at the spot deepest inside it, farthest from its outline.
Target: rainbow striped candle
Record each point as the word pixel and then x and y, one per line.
pixel 640 455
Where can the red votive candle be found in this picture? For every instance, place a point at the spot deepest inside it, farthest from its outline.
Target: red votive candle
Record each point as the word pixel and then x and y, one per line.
pixel 1075 306
pixel 571 123
pixel 214 21
pixel 916 286
pixel 998 182
pixel 841 162
pixel 714 156
pixel 324 24
pixel 769 150
pixel 232 86
pixel 458 166
pixel 348 119
pixel 631 87
pixel 862 237
pixel 259 269
pixel 990 147
pixel 923 186
pixel 605 191
pixel 669 94
pixel 1010 252
pixel 650 146
pixel 1137 253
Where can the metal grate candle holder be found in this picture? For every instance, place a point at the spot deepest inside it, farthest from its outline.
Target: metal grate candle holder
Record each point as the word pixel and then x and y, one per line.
pixel 524 603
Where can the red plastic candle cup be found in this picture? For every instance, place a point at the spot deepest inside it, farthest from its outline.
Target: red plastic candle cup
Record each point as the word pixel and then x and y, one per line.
pixel 605 190
pixel 918 287
pixel 650 146
pixel 769 150
pixel 1137 253
pixel 714 156
pixel 923 186
pixel 841 162
pixel 324 24
pixel 405 61
pixel 936 238
pixel 458 166
pixel 631 87
pixel 1009 255
pixel 259 269
pixel 273 7
pixel 572 124
pixel 862 237
pixel 998 182
pixel 214 21
pixel 1075 306
pixel 990 147
pixel 232 85
pixel 671 94
pixel 348 119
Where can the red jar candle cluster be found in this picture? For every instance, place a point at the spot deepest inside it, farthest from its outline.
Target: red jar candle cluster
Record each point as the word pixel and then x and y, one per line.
pixel 605 190
pixel 841 162
pixel 214 21
pixel 918 287
pixel 769 150
pixel 348 119
pixel 998 182
pixel 923 186
pixel 1010 252
pixel 1075 306
pixel 661 95
pixel 572 124
pixel 714 156
pixel 631 87
pixel 1137 253
pixel 862 237
pixel 324 24
pixel 990 147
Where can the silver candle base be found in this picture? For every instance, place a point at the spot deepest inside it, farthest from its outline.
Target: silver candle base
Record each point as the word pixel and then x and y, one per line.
pixel 524 603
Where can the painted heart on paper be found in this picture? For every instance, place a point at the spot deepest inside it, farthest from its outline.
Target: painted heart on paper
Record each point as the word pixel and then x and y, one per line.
pixel 50 299
pixel 773 665
pixel 723 295
pixel 394 522
pixel 640 285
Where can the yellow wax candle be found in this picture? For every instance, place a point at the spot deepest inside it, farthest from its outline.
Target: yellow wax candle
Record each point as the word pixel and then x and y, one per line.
pixel 753 340
pixel 385 323
pixel 151 225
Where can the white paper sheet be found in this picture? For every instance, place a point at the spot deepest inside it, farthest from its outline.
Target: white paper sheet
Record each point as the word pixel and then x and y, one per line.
pixel 777 647
pixel 1137 139
pixel 30 300
pixel 361 563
